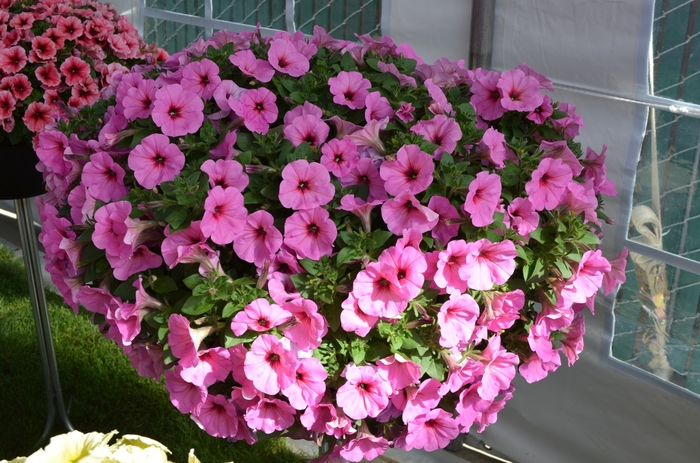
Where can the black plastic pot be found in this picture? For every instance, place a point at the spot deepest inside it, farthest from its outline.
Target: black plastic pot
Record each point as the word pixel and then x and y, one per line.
pixel 18 175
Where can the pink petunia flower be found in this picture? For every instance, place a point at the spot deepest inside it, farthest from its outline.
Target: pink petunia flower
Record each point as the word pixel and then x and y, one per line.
pixel 270 365
pixel 13 59
pixel 486 96
pixel 138 102
pixel 43 49
pixel 587 277
pixel 548 185
pixel 483 198
pixel 259 316
pixel 457 319
pixel 309 384
pixel 140 259
pixel 75 70
pixel 405 112
pixel 182 238
pixel 492 148
pixel 310 233
pixel 177 111
pixel 488 264
pixel 213 365
pixel 450 260
pixel 440 130
pixel 377 107
pixel 339 156
pixel 201 77
pixel 48 75
pixel 410 266
pixel 19 85
pixel 365 393
pixel 412 171
pixel 259 240
pixel 257 108
pixel 306 128
pixel 217 416
pixel 37 116
pixel 431 431
pixel 308 327
pixel 270 415
pixel 499 369
pixel 359 207
pixel 405 211
pixel 443 230
pixel 349 89
pixel 501 311
pixel 616 275
pixel 184 341
pixel 224 214
pixel 399 371
pixel 155 160
pixel 110 228
pixel 364 447
pixel 378 291
pixel 285 57
pixel 185 396
pixel 104 178
pixel 225 173
pixel 364 173
pixel 523 218
pixel 519 92
pixel 540 114
pixel 251 66
pixel 305 185
pixel 354 320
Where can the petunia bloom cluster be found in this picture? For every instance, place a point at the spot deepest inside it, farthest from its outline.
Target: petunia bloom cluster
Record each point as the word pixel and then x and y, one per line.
pixel 56 56
pixel 330 240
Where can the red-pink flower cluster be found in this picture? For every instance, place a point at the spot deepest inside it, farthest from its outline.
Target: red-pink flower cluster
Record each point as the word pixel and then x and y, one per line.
pixel 330 237
pixel 56 55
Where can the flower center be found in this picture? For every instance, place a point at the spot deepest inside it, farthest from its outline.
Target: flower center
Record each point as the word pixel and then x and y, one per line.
pixel 263 322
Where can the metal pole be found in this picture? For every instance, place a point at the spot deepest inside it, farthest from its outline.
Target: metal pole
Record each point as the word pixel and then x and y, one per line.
pixel 30 254
pixel 481 38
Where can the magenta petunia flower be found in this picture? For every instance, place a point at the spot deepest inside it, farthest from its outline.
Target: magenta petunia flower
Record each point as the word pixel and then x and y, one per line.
pixel 378 291
pixel 155 160
pixel 224 214
pixel 450 260
pixel 431 431
pixel 259 316
pixel 270 415
pixel 305 185
pixel 364 447
pixel 251 66
pixel 310 233
pixel 547 188
pixel 412 171
pixel 523 218
pixel 443 230
pixel 483 198
pixel 270 365
pixel 185 396
pixel 177 111
pixel 201 77
pixel 488 264
pixel 225 173
pixel 365 393
pixel 519 92
pixel 587 277
pixel 138 102
pixel 110 228
pixel 616 275
pixel 285 57
pixel 486 96
pixel 308 327
pixel 364 173
pixel 309 384
pixel 457 319
pixel 349 89
pixel 440 130
pixel 405 211
pixel 259 240
pixel 104 178
pixel 257 108
pixel 339 156
pixel 377 107
pixel 217 416
pixel 306 128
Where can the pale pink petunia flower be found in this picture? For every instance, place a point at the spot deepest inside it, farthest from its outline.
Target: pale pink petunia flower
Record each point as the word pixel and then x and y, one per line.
pixel 412 171
pixel 214 365
pixel 257 108
pixel 284 57
pixel 405 211
pixel 365 393
pixel 217 416
pixel 177 111
pixel 492 148
pixel 349 89
pixel 502 310
pixel 431 431
pixel 519 92
pixel 364 173
pixel 270 365
pixel 224 214
pixel 523 218
pixel 138 102
pixel 306 128
pixel 259 316
pixel 364 447
pixel 155 160
pixel 548 185
pixel 587 277
pixel 443 230
pixel 179 239
pixel 359 207
pixel 201 77
pixel 185 396
pixel 354 320
pixel 410 266
pixel 486 97
pixel 259 240
pixel 139 260
pixel 488 264
pixel 308 327
pixel 499 369
pixel 378 291
pixel 440 130
pixel 339 156
pixel 399 371
pixel 377 107
pixel 457 319
pixel 616 275
pixel 104 178
pixel 310 233
pixel 483 198
pixel 309 384
pixel 270 415
pixel 225 173
pixel 251 66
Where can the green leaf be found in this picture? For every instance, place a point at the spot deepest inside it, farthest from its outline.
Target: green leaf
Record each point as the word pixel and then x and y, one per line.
pixel 377 350
pixel 164 284
pixel 406 65
pixel 126 291
pixel 208 132
pixel 589 238
pixel 446 160
pixel 197 305
pixel 379 237
pixel 177 218
pixel 231 339
pixel 311 266
pixel 347 63
pixel 346 255
pixel 244 141
pixel 91 253
pixel 537 235
pixel 563 268
pixel 193 280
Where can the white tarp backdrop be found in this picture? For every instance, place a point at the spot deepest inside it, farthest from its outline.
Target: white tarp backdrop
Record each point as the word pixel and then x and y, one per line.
pixel 599 410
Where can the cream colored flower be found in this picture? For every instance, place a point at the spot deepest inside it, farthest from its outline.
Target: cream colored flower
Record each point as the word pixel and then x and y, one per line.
pixel 191 458
pixel 76 447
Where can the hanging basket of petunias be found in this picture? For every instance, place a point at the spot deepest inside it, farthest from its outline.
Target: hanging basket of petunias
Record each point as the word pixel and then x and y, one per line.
pixel 330 240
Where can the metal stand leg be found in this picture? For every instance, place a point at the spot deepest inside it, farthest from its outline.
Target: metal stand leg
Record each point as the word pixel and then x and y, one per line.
pixel 30 252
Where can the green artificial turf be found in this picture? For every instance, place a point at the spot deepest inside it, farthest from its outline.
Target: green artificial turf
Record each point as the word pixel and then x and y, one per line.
pixel 102 389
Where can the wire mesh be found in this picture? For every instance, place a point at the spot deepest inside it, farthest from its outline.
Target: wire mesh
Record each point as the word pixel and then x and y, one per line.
pixel 341 18
pixel 657 315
